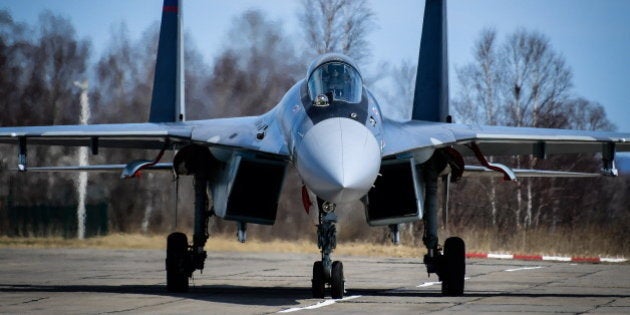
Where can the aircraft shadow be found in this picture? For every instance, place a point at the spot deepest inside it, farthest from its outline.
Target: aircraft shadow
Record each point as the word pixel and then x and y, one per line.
pixel 262 296
pixel 480 294
pixel 267 296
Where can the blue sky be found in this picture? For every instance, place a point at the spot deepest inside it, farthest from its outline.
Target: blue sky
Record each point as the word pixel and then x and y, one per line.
pixel 593 35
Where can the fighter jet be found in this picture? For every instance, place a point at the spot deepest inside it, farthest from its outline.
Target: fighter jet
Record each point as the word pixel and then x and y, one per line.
pixel 330 128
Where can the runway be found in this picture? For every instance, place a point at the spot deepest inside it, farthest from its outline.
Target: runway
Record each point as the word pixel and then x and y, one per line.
pixel 80 281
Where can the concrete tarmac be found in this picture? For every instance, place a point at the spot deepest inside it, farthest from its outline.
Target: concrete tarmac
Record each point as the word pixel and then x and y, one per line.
pixel 93 281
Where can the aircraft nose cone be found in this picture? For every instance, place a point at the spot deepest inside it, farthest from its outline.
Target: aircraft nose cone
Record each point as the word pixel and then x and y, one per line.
pixel 339 159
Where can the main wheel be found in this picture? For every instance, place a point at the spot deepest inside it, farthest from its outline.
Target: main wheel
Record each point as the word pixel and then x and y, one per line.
pixel 318 283
pixel 454 267
pixel 337 283
pixel 176 262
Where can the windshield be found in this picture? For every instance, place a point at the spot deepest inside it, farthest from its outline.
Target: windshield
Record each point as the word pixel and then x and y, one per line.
pixel 340 79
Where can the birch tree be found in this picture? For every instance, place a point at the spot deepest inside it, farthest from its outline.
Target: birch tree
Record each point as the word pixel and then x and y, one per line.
pixel 479 100
pixel 337 26
pixel 521 82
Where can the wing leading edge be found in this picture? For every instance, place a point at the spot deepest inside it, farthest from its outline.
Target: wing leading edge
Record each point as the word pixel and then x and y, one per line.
pixel 408 137
pixel 141 136
pixel 233 134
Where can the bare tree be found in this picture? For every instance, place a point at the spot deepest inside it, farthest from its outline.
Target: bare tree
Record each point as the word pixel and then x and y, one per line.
pixel 479 99
pixel 255 70
pixel 514 83
pixel 394 86
pixel 536 81
pixel 124 76
pixel 250 76
pixel 9 68
pixel 524 82
pixel 38 67
pixel 337 26
pixel 584 115
pixel 122 93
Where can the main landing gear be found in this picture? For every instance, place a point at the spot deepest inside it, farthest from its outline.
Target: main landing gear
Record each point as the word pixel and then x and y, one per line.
pixel 177 262
pixel 453 267
pixel 181 259
pixel 449 264
pixel 327 271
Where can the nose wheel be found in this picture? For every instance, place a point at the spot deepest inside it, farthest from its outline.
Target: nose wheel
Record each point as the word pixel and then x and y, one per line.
pixel 319 280
pixel 336 281
pixel 327 272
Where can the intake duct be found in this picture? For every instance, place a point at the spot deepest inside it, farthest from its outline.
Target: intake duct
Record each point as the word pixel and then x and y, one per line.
pixel 397 196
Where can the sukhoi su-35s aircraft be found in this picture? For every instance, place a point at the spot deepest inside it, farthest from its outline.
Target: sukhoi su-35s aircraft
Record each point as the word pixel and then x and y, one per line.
pixel 330 128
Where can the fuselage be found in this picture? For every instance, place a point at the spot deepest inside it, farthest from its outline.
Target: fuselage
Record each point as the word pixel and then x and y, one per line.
pixel 333 128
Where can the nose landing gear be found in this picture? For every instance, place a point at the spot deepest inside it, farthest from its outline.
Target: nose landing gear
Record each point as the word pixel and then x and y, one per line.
pixel 326 271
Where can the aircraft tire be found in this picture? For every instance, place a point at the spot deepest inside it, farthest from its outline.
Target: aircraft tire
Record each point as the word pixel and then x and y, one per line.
pixel 454 267
pixel 318 283
pixel 176 262
pixel 337 283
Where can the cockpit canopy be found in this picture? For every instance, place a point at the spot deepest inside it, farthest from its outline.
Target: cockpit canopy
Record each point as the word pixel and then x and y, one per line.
pixel 337 78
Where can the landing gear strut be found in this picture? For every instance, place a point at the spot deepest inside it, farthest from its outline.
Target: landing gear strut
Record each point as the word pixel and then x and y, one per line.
pixel 181 259
pixel 450 263
pixel 326 271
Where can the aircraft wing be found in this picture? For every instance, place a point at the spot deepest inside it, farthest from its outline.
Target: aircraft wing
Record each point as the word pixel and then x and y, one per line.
pixel 407 137
pixel 141 136
pixel 238 133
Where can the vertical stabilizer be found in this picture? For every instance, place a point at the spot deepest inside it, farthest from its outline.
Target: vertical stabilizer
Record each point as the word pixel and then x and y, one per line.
pixel 430 100
pixel 167 101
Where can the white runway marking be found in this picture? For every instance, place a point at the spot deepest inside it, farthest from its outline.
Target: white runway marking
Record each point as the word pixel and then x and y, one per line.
pixel 428 284
pixel 524 268
pixel 320 304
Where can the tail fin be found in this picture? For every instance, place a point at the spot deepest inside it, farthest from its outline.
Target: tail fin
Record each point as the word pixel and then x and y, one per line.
pixel 430 99
pixel 167 101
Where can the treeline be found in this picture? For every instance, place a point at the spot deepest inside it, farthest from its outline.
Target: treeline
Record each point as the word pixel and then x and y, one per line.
pixel 42 64
pixel 521 81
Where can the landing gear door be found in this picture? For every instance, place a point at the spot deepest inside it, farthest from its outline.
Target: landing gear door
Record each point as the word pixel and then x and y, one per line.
pixel 223 185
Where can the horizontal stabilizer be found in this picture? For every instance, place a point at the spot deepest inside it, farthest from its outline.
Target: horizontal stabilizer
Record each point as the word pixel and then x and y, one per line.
pixel 476 170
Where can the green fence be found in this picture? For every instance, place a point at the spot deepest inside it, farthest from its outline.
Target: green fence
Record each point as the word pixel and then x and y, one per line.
pixel 42 221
